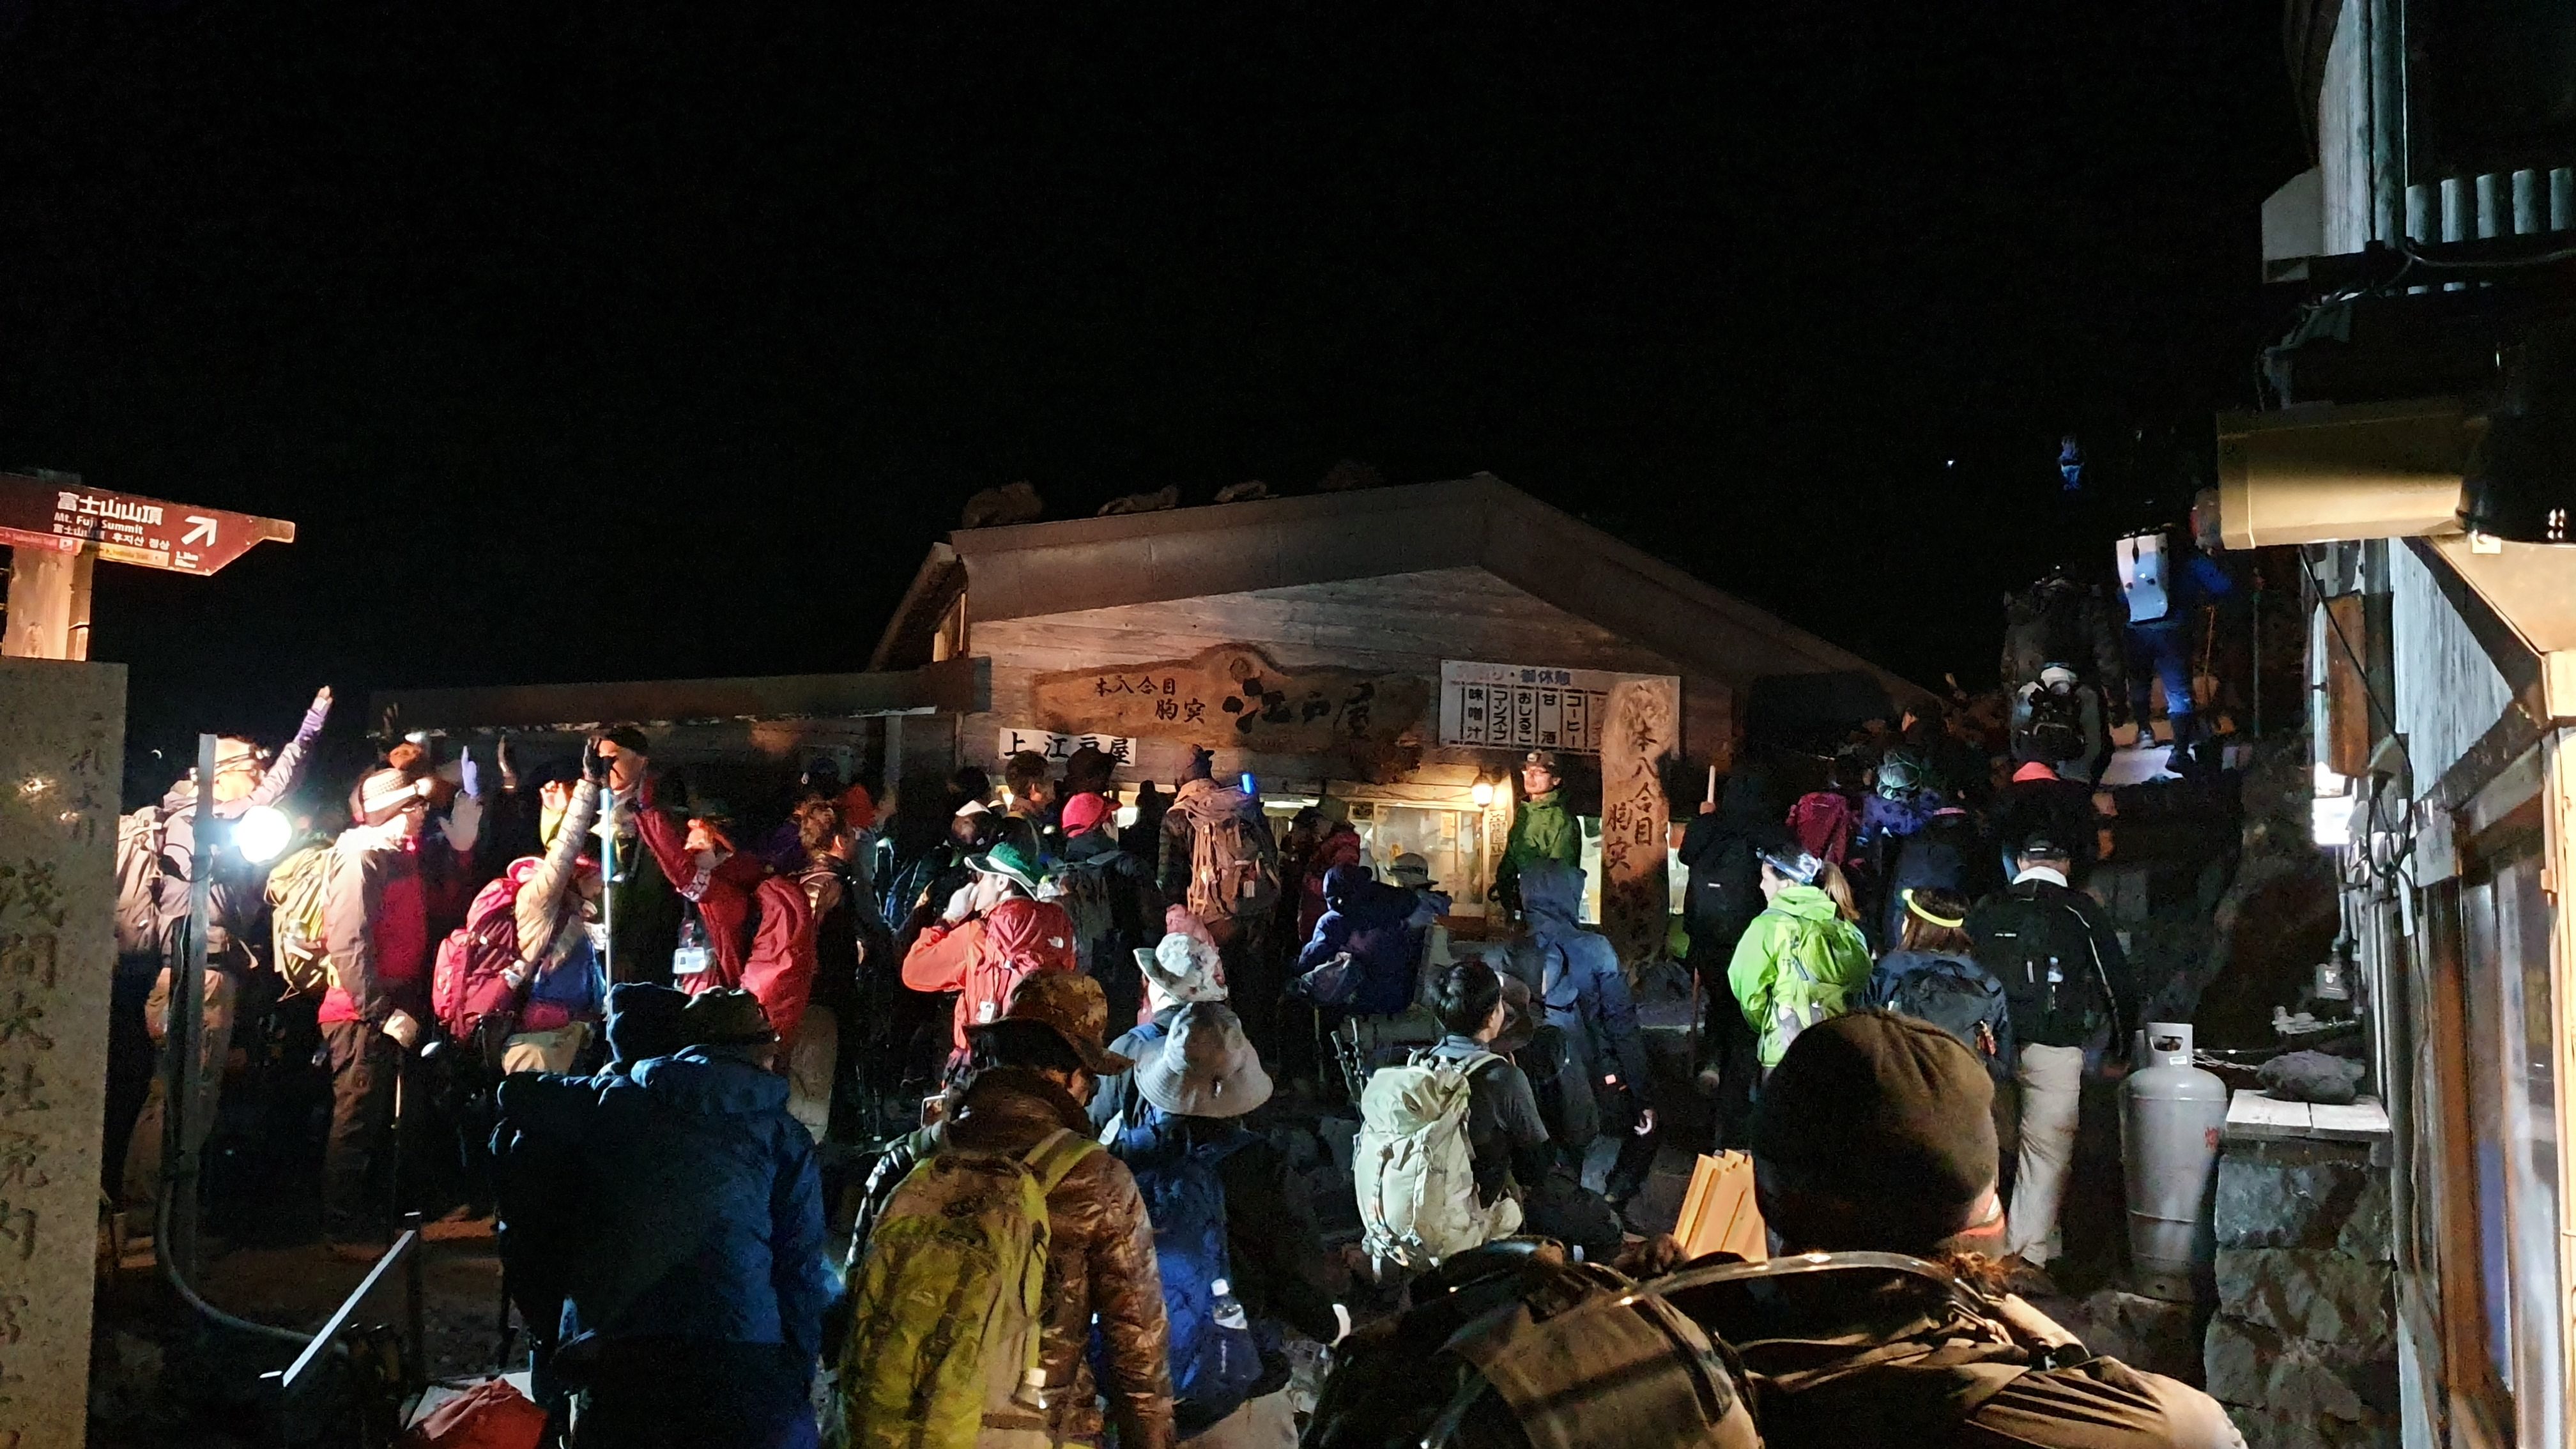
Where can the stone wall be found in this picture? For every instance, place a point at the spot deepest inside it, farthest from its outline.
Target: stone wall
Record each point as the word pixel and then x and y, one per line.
pixel 2302 1351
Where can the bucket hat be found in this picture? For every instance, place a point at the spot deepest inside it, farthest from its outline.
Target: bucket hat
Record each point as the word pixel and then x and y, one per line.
pixel 1073 1006
pixel 1207 1067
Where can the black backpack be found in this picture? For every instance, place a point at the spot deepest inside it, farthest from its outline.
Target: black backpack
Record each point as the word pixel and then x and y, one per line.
pixel 2055 732
pixel 1565 1101
pixel 1957 995
pixel 2040 947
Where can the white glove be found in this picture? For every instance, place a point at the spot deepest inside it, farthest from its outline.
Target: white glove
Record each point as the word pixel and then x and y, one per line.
pixel 961 905
pixel 1341 1316
pixel 403 1029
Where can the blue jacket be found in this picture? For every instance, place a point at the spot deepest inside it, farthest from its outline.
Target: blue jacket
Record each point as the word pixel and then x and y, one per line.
pixel 700 1212
pixel 1579 980
pixel 1381 926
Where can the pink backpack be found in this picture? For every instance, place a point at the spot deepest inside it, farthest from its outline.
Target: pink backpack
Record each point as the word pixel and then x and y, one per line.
pixel 1822 822
pixel 466 982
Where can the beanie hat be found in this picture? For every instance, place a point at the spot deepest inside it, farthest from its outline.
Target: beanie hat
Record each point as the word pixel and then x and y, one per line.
pixel 644 1020
pixel 1083 811
pixel 1886 1113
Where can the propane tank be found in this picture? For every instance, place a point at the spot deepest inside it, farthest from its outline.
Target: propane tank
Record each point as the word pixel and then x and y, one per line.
pixel 2171 1115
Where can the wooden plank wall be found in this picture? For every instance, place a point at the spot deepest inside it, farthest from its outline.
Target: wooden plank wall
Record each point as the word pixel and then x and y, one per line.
pixel 1403 622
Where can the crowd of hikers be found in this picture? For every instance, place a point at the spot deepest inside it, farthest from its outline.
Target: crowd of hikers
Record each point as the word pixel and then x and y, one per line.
pixel 955 1122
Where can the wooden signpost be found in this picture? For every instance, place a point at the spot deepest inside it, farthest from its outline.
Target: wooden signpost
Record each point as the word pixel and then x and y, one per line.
pixel 60 527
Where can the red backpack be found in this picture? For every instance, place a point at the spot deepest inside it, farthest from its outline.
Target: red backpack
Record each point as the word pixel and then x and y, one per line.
pixel 467 982
pixel 1822 823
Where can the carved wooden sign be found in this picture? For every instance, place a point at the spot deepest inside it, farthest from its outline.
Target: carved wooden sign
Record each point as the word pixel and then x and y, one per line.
pixel 1644 731
pixel 1232 696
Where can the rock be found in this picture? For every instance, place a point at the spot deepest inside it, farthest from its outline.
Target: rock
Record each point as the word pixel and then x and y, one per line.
pixel 2329 1297
pixel 2290 1194
pixel 2296 1377
pixel 2264 1430
pixel 996 507
pixel 2144 1333
pixel 2368 1234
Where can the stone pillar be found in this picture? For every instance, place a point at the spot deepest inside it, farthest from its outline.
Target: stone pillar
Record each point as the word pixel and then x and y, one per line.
pixel 62 731
pixel 2303 1350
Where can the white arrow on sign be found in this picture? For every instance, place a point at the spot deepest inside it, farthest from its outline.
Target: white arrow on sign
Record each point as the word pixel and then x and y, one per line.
pixel 201 529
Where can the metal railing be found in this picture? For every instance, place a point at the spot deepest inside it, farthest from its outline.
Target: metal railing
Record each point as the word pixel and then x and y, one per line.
pixel 284 1389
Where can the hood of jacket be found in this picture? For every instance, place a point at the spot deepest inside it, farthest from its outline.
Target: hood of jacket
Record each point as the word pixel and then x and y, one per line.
pixel 1089 846
pixel 1003 1104
pixel 1807 903
pixel 1363 900
pixel 1552 891
pixel 1034 934
pixel 713 1081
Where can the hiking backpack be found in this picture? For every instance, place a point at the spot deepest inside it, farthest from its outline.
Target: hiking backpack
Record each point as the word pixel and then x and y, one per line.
pixel 298 927
pixel 1215 1360
pixel 1229 877
pixel 140 871
pixel 1562 1088
pixel 1413 1169
pixel 1955 994
pixel 467 981
pixel 2144 585
pixel 945 1322
pixel 2043 953
pixel 2055 731
pixel 1084 889
pixel 1822 823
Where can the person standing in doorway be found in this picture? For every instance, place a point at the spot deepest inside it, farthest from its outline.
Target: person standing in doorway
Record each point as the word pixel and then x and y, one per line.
pixel 1542 828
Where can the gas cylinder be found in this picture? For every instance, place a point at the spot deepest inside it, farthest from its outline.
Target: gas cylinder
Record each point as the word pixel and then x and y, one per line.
pixel 2171 1115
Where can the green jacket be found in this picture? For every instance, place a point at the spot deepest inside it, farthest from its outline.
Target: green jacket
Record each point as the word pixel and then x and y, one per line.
pixel 1542 829
pixel 1797 963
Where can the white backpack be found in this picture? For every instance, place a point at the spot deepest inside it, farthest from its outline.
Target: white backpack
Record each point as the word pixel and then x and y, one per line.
pixel 1414 1170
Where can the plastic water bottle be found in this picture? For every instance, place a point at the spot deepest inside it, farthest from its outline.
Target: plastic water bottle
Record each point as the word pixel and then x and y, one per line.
pixel 1229 1309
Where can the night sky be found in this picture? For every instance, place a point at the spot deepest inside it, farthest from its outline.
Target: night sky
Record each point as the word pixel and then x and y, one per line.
pixel 591 341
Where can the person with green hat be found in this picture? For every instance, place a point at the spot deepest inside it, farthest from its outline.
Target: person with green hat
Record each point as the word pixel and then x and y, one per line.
pixel 1241 1255
pixel 994 932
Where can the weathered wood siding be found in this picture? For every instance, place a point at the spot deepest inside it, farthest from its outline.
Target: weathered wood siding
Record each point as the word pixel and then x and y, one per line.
pixel 2448 691
pixel 1397 623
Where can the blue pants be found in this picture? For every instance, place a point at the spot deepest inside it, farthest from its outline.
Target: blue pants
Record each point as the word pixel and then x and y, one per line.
pixel 2163 647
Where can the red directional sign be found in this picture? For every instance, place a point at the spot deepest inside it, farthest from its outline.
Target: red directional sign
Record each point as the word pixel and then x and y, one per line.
pixel 64 515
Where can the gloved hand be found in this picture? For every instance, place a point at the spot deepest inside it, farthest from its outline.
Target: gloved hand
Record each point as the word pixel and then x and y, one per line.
pixel 469 775
pixel 594 764
pixel 403 1028
pixel 960 905
pixel 509 761
pixel 1645 1122
pixel 318 712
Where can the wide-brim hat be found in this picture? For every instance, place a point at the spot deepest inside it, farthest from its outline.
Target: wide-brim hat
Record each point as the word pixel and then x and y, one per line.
pixel 1410 869
pixel 1073 1006
pixel 1183 967
pixel 1007 859
pixel 1207 1067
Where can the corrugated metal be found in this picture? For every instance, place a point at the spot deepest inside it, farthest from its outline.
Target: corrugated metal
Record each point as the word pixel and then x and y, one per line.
pixel 2448 691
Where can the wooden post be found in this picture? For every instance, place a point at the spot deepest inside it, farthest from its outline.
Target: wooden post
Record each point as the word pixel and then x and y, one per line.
pixel 1645 732
pixel 48 604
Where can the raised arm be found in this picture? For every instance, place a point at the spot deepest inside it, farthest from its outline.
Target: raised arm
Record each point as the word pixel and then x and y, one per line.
pixel 288 767
pixel 534 911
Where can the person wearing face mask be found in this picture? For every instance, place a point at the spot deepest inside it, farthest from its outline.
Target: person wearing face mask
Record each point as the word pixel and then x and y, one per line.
pixel 376 910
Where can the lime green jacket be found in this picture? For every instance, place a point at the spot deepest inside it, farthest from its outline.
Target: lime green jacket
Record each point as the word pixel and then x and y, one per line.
pixel 1797 963
pixel 1542 829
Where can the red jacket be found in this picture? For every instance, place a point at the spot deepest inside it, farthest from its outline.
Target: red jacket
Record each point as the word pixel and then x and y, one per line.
pixel 376 928
pixel 760 928
pixel 983 957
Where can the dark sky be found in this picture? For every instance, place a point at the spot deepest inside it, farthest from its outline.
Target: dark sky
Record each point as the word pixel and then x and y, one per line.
pixel 611 341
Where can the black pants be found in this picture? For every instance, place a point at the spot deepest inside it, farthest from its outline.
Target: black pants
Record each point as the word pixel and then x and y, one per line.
pixel 1253 977
pixel 357 1165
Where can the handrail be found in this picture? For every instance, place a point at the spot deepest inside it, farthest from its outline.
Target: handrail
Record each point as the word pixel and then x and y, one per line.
pixel 284 1384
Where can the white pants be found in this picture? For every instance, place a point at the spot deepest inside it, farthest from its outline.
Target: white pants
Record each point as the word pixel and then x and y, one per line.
pixel 810 1060
pixel 2052 1086
pixel 1263 1423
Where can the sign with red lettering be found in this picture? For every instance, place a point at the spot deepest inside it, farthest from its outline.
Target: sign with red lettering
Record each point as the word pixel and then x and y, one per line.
pixel 65 515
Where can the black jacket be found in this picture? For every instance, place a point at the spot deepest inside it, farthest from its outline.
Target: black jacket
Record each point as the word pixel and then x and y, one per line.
pixel 2015 933
pixel 1723 850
